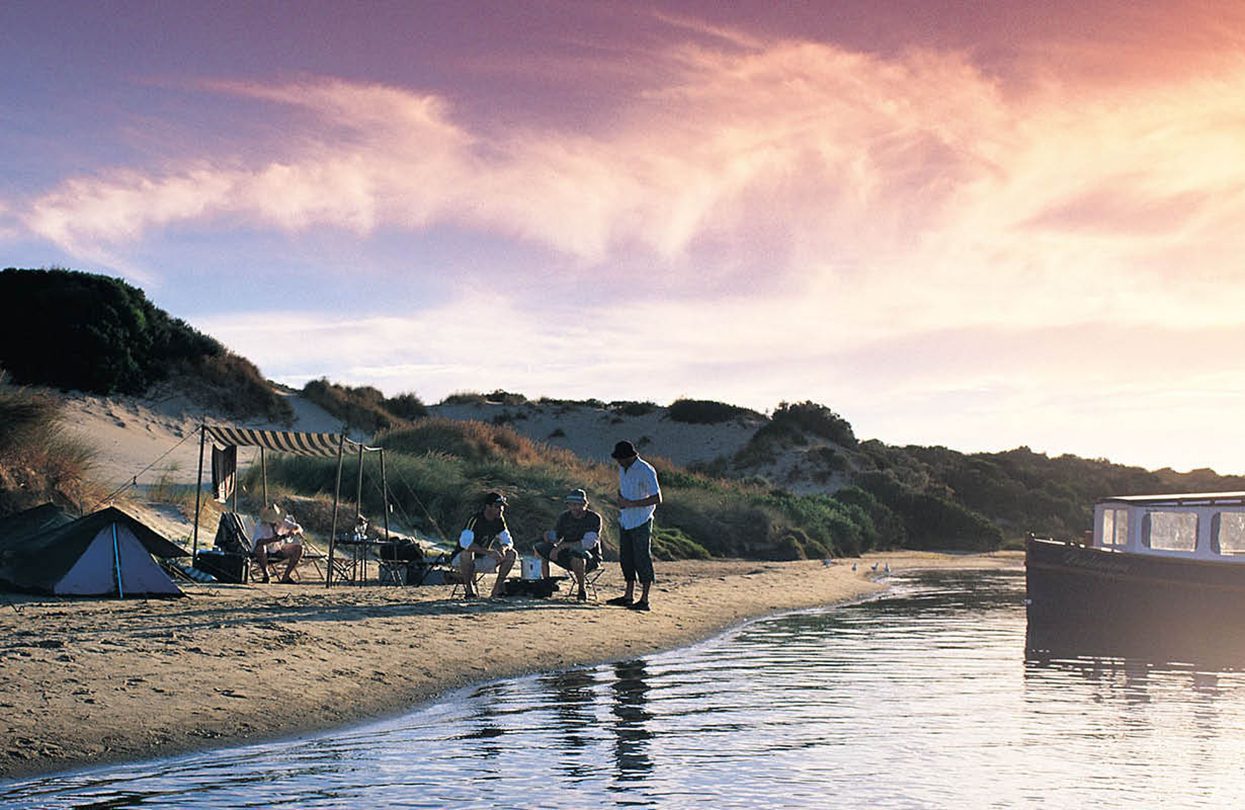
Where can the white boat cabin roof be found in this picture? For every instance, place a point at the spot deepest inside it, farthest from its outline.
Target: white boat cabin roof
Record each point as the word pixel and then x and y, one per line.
pixel 1181 499
pixel 1197 525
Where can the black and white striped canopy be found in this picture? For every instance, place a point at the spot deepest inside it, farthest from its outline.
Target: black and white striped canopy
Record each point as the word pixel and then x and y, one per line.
pixel 283 441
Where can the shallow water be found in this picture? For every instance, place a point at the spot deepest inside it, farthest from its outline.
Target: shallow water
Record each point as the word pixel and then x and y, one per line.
pixel 921 699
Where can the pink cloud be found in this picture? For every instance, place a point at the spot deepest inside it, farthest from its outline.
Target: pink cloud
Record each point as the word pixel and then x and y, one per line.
pixel 849 172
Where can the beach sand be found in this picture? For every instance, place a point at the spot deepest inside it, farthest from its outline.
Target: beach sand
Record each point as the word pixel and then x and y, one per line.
pixel 95 681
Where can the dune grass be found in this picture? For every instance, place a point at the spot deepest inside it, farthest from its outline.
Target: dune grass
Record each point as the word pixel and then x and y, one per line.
pixel 39 461
pixel 438 471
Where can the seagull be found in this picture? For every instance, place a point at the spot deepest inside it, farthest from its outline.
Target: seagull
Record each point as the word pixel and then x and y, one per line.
pixel 853 566
pixel 873 567
pixel 887 569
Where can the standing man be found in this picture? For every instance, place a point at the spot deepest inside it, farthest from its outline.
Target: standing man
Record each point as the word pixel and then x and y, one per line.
pixel 485 545
pixel 638 496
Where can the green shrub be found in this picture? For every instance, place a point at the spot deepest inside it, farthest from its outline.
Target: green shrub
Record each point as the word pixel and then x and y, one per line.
pixel 464 398
pixel 594 404
pixel 406 406
pixel 364 408
pixel 793 421
pixel 706 412
pixel 78 331
pixel 673 544
pixel 91 333
pixel 500 397
pixel 628 408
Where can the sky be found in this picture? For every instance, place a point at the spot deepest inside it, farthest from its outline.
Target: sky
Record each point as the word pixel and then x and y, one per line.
pixel 979 224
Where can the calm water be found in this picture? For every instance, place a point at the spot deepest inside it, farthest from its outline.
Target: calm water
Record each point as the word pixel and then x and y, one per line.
pixel 921 699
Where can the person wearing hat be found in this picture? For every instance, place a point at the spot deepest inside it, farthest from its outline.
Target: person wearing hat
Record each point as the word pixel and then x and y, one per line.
pixel 279 536
pixel 573 540
pixel 639 495
pixel 485 545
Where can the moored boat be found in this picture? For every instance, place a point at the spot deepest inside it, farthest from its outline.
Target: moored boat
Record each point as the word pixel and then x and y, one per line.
pixel 1159 576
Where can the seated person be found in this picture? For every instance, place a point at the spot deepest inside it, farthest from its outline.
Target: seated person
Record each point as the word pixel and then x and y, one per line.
pixel 572 542
pixel 485 545
pixel 279 536
pixel 359 535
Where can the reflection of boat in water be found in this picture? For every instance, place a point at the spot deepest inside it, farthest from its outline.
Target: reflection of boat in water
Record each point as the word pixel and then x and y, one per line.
pixel 1163 577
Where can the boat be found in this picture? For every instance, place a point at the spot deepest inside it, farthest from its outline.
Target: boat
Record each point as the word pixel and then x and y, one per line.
pixel 1159 576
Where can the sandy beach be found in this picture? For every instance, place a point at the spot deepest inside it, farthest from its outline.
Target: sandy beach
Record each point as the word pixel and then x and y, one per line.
pixel 96 681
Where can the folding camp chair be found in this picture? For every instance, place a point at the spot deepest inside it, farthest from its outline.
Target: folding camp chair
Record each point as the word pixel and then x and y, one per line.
pixel 591 576
pixel 454 575
pixel 593 569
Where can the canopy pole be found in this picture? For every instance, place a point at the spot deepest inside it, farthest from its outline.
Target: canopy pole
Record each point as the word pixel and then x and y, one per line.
pixel 337 493
pixel 384 492
pixel 358 499
pixel 263 471
pixel 198 493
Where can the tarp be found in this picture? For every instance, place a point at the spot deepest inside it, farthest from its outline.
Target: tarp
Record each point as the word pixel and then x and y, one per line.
pixel 283 441
pixel 44 550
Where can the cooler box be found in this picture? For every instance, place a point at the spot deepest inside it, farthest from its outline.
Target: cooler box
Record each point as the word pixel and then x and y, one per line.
pixel 224 565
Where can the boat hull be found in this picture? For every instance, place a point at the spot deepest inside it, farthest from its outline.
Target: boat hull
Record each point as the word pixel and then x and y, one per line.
pixel 1089 601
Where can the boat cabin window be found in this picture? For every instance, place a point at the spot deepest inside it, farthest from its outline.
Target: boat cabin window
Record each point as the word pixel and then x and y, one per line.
pixel 1228 536
pixel 1114 527
pixel 1170 531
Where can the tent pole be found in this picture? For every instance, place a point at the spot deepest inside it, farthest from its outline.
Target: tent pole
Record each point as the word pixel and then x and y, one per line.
pixel 194 552
pixel 263 471
pixel 337 494
pixel 116 561
pixel 384 492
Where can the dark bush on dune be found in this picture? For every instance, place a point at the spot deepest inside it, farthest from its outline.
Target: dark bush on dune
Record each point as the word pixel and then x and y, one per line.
pixel 84 332
pixel 706 412
pixel 364 407
pixel 794 422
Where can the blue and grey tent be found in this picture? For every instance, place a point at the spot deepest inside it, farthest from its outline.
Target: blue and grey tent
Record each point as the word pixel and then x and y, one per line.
pixel 106 553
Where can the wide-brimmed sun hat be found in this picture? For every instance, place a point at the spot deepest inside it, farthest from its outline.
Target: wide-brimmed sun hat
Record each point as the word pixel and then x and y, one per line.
pixel 271 514
pixel 576 496
pixel 624 450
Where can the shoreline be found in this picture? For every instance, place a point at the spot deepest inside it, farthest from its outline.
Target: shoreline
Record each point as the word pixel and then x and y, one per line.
pixel 95 682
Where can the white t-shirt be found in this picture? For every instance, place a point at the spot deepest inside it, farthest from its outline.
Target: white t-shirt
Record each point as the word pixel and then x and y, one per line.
pixel 286 532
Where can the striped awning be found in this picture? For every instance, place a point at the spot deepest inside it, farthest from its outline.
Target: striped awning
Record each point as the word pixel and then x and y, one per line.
pixel 283 441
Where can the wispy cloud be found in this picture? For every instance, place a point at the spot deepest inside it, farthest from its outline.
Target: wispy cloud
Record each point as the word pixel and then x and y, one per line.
pixel 858 203
pixel 800 149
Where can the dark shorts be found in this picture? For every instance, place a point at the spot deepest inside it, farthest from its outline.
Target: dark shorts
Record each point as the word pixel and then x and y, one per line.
pixel 635 552
pixel 566 555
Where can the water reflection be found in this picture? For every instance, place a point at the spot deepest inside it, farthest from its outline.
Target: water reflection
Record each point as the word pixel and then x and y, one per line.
pixel 631 734
pixel 924 698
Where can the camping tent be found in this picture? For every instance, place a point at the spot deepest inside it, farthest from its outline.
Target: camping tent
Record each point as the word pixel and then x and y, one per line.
pixel 107 553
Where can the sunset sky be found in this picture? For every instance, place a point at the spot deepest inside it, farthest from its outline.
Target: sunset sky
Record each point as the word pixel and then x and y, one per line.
pixel 971 223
